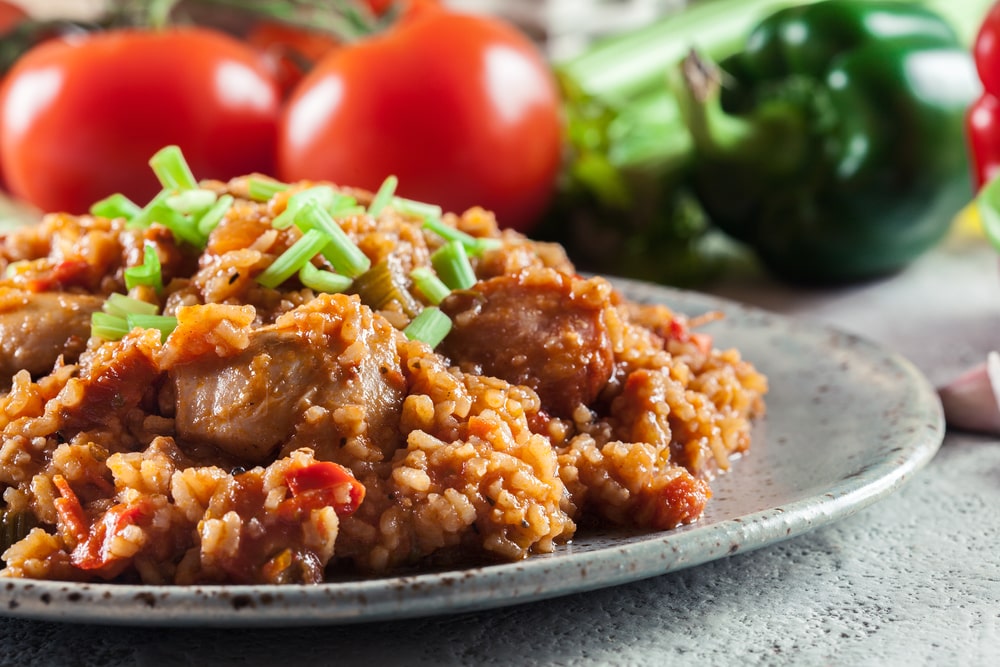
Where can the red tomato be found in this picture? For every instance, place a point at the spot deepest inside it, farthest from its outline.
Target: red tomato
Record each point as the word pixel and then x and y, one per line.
pixel 80 118
pixel 986 51
pixel 10 16
pixel 462 109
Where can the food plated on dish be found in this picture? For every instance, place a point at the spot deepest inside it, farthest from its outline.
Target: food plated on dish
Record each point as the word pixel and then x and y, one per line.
pixel 258 382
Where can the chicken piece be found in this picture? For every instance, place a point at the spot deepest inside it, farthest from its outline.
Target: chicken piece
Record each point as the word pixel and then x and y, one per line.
pixel 540 328
pixel 37 327
pixel 326 375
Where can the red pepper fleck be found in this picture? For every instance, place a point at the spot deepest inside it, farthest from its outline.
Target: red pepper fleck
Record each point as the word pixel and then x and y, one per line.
pixel 317 484
pixel 70 273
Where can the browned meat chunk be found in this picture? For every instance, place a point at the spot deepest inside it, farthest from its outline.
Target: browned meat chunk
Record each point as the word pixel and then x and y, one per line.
pixel 324 376
pixel 539 328
pixel 246 404
pixel 37 327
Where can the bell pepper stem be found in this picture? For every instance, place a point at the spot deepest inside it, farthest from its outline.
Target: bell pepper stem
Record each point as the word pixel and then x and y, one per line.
pixel 773 135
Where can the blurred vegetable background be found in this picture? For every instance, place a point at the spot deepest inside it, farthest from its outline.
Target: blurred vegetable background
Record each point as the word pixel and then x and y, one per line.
pixel 825 140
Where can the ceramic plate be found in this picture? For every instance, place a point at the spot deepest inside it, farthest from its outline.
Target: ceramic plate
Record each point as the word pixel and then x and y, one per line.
pixel 848 422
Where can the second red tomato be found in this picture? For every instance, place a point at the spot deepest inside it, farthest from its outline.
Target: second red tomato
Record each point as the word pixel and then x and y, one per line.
pixel 462 109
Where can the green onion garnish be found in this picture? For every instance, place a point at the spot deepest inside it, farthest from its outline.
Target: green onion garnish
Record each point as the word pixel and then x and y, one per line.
pixel 147 214
pixel 150 272
pixel 108 327
pixel 346 258
pixel 211 218
pixel 431 326
pixel 165 323
pixel 417 209
pixel 172 169
pixel 383 197
pixel 191 202
pixel 263 190
pixel 121 305
pixel 452 265
pixel 384 284
pixel 348 211
pixel 159 210
pixel 293 259
pixel 323 281
pixel 474 246
pixel 115 206
pixel 120 314
pixel 429 284
pixel 323 195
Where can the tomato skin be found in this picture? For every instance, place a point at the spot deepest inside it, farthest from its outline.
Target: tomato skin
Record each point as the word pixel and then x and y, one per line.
pixel 80 118
pixel 986 51
pixel 462 109
pixel 10 16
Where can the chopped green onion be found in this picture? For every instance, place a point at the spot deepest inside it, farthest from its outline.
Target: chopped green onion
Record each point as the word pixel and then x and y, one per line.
pixel 431 326
pixel 158 210
pixel 429 284
pixel 172 169
pixel 108 327
pixel 115 206
pixel 293 259
pixel 121 305
pixel 347 211
pixel 150 272
pixel 165 323
pixel 383 284
pixel 323 281
pixel 474 246
pixel 383 197
pixel 263 190
pixel 146 215
pixel 417 209
pixel 184 229
pixel 323 195
pixel 211 218
pixel 452 265
pixel 191 202
pixel 340 250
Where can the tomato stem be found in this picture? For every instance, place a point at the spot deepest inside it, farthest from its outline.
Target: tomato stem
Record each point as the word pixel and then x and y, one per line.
pixel 158 13
pixel 345 20
pixel 153 14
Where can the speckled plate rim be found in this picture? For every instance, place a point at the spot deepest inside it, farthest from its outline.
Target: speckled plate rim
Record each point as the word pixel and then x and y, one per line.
pixel 572 568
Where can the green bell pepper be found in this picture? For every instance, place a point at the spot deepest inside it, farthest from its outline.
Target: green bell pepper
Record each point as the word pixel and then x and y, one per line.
pixel 833 144
pixel 625 202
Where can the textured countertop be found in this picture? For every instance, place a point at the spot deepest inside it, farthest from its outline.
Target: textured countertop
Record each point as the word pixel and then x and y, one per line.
pixel 911 580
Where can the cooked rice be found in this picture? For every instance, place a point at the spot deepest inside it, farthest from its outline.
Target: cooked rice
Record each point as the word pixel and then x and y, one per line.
pixel 138 465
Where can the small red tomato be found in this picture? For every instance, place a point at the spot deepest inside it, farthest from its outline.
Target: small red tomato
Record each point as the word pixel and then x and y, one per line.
pixel 986 51
pixel 80 118
pixel 983 130
pixel 462 109
pixel 10 16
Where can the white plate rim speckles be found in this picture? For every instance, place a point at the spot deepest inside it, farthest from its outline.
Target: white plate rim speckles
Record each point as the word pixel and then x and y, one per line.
pixel 848 423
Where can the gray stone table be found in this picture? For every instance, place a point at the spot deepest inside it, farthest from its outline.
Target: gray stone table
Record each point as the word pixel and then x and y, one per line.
pixel 912 580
